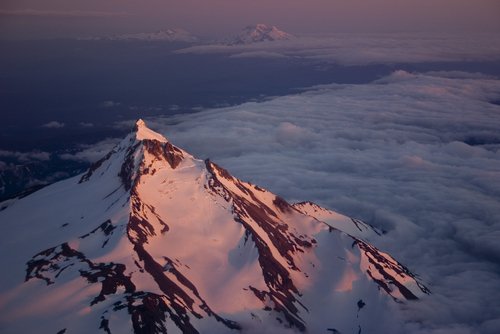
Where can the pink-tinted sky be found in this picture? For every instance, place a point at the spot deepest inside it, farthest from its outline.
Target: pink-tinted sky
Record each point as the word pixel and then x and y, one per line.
pixel 218 17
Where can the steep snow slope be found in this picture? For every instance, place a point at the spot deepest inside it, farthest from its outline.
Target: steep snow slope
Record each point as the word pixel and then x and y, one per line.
pixel 152 240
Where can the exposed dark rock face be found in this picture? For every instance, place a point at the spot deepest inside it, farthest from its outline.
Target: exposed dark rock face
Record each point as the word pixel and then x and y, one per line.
pixel 139 228
pixel 128 168
pixel 148 312
pixel 175 301
pixel 164 151
pixel 283 205
pixel 104 325
pixel 161 151
pixel 361 304
pixel 281 289
pixel 50 263
pixel 94 167
pixel 383 266
pixel 106 228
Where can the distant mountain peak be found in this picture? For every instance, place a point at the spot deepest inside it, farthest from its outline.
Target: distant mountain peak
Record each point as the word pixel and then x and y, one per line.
pixel 260 32
pixel 153 240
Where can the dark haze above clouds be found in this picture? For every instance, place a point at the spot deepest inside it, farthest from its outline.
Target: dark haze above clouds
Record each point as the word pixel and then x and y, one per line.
pixel 58 18
pixel 417 155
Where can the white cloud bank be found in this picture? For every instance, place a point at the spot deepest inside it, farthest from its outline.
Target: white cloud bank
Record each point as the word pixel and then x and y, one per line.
pixel 362 49
pixel 23 157
pixel 109 104
pixel 417 155
pixel 91 153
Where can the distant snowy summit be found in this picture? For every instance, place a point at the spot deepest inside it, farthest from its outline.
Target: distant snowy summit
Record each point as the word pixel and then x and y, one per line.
pixel 259 33
pixel 165 35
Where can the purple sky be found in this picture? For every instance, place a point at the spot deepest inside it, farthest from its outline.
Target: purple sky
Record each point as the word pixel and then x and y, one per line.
pixel 50 18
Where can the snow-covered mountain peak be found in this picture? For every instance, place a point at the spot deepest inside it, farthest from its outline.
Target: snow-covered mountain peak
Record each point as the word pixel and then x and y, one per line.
pixel 260 33
pixel 260 26
pixel 264 28
pixel 152 240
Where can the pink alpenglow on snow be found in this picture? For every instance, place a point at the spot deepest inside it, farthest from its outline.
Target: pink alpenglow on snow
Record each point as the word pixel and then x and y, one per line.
pixel 153 240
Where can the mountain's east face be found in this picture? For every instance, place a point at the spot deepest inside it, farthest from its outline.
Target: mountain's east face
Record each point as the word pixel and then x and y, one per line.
pixel 259 33
pixel 152 240
pixel 165 35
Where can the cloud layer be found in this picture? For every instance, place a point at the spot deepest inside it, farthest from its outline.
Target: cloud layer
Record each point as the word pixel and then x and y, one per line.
pixel 362 49
pixel 54 125
pixel 417 155
pixel 92 153
pixel 23 157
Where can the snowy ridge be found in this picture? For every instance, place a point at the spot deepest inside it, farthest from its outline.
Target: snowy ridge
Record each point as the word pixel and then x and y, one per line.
pixel 152 240
pixel 351 226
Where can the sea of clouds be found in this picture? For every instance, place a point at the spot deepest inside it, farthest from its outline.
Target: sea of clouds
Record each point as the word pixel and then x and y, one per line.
pixel 417 155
